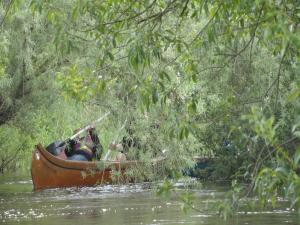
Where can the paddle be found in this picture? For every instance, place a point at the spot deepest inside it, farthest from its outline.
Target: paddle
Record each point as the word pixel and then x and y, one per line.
pixel 83 130
pixel 88 127
pixel 113 146
pixel 55 146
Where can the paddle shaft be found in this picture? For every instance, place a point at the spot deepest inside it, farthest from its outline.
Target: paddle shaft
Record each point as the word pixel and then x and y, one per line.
pixel 89 126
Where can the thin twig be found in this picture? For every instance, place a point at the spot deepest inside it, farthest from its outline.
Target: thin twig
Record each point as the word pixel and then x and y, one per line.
pixel 253 34
pixel 6 12
pixel 206 25
pixel 184 8
pixel 132 17
pixel 279 74
pixel 158 15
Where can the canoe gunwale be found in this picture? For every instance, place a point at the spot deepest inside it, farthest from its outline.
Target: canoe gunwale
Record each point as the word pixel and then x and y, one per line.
pixel 83 165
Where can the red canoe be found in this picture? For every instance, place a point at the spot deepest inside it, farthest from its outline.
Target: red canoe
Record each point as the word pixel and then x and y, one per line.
pixel 49 171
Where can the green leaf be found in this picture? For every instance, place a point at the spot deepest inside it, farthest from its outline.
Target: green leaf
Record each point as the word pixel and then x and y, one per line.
pixel 110 55
pixel 161 84
pixel 296 158
pixel 114 42
pixel 165 189
pixel 297 134
pixel 154 96
pixel 51 16
pixel 163 74
pixel 184 133
pixel 192 107
pixel 181 133
pixel 242 23
pixel 137 57
pixel 156 53
pixel 146 100
pixel 178 47
pixel 171 134
pixel 101 86
pixel 211 36
pixel 284 171
pixel 194 78
pixel 75 13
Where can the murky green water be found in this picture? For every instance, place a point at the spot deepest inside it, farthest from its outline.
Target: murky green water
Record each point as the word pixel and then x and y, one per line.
pixel 127 204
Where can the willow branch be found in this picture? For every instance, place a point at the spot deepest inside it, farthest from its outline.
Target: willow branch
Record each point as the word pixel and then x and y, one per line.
pixel 206 25
pixel 6 13
pixel 279 74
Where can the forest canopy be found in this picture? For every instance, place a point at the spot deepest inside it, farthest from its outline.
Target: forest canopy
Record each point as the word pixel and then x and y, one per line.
pixel 197 77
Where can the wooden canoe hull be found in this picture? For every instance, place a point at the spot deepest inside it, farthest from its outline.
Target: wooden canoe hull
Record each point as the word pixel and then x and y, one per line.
pixel 48 171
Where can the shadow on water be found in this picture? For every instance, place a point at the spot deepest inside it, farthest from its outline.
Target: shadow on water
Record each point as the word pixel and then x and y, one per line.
pixel 119 204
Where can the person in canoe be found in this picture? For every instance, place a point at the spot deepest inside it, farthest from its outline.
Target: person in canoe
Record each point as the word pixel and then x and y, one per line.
pixel 115 153
pixel 85 147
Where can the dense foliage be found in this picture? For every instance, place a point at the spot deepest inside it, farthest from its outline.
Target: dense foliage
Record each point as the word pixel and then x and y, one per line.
pixel 210 78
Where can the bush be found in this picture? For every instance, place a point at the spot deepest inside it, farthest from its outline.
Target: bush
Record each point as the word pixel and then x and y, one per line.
pixel 13 147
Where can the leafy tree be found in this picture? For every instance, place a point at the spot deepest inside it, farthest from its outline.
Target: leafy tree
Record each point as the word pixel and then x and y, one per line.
pixel 195 77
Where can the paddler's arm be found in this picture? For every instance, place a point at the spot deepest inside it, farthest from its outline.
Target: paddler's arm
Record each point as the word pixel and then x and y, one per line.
pixel 112 146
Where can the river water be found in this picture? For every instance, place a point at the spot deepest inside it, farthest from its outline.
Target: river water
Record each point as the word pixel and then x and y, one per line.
pixel 125 204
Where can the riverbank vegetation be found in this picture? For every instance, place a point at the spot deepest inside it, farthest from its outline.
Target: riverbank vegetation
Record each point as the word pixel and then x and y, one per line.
pixel 218 79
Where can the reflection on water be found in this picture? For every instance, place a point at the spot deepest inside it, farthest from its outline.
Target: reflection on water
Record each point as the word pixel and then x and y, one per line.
pixel 125 204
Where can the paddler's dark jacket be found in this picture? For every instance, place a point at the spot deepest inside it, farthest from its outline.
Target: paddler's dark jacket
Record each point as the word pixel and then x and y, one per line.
pixel 89 146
